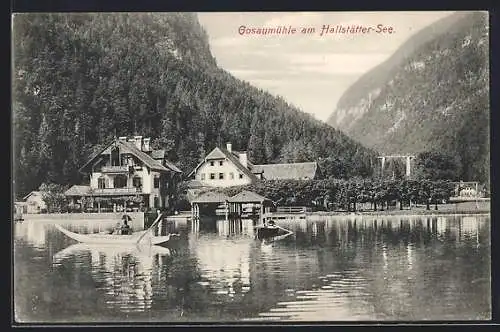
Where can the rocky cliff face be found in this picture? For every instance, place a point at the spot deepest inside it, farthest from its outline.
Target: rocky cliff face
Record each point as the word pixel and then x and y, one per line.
pixel 434 96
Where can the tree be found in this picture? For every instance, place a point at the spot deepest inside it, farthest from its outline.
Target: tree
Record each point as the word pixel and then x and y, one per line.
pixel 433 165
pixel 53 196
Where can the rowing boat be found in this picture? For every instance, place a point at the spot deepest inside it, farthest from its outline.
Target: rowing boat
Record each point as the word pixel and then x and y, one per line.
pixel 267 231
pixel 110 238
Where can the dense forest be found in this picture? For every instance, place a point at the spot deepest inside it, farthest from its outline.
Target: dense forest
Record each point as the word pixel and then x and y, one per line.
pixel 81 79
pixel 432 97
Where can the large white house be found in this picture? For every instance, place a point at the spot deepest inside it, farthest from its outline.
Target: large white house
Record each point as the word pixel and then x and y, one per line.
pixel 223 167
pixel 128 173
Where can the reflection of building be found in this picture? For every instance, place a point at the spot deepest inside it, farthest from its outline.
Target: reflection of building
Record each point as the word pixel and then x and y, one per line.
pixel 224 262
pixel 470 224
pixel 223 167
pixel 127 172
pixel 35 202
pixel 33 232
pixel 235 227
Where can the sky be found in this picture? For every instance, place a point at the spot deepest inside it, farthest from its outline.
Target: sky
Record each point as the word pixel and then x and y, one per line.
pixel 310 71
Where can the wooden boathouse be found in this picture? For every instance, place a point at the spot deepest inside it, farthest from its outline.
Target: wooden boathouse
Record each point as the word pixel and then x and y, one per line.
pixel 248 204
pixel 208 204
pixel 245 204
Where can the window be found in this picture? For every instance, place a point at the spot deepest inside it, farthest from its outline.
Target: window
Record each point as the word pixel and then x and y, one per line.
pixel 221 163
pixel 202 177
pixel 221 176
pixel 231 176
pixel 212 176
pixel 156 202
pixel 241 176
pixel 115 157
pixel 101 183
pixel 211 163
pixel 137 182
pixel 157 182
pixel 120 181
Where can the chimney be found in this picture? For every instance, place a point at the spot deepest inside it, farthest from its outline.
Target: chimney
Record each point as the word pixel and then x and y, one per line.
pixel 243 159
pixel 122 138
pixel 229 147
pixel 146 144
pixel 138 142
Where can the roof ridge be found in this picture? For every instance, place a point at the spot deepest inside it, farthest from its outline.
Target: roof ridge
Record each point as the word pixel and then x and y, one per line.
pixel 304 162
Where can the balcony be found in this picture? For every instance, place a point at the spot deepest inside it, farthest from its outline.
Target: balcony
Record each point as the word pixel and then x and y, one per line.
pixel 115 169
pixel 116 191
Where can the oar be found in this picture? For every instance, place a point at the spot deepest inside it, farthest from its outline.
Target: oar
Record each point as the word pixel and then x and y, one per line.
pixel 150 227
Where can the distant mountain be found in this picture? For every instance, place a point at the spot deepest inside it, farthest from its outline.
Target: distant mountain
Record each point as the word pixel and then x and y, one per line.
pixel 432 94
pixel 80 79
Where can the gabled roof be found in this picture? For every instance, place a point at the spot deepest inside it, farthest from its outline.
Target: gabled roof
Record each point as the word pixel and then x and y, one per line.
pixel 31 193
pixel 211 197
pixel 215 154
pixel 77 190
pixel 287 171
pixel 144 157
pixel 221 153
pixel 236 161
pixel 248 197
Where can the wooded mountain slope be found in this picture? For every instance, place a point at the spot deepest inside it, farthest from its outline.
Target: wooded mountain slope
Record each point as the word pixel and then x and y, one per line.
pixel 81 79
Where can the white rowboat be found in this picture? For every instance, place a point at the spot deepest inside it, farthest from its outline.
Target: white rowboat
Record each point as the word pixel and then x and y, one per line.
pixel 112 239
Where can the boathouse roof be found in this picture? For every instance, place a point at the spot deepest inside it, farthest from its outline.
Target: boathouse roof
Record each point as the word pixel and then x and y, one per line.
pixel 211 197
pixel 302 171
pixel 248 197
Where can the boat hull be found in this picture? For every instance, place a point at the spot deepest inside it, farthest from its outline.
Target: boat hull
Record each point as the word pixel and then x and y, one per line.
pixel 113 239
pixel 266 232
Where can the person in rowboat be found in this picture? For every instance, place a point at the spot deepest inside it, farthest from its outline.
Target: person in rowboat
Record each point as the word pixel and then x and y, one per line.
pixel 122 228
pixel 125 228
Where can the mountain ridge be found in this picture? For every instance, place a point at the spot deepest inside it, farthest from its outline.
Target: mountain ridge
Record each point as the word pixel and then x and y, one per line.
pixel 436 98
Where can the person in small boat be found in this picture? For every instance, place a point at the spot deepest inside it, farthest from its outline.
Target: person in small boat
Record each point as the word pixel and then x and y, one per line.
pixel 125 228
pixel 122 228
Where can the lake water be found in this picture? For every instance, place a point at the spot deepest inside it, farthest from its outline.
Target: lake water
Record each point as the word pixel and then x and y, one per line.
pixel 333 269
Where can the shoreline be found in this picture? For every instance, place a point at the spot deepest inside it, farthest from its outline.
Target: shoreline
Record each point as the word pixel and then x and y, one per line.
pixel 400 213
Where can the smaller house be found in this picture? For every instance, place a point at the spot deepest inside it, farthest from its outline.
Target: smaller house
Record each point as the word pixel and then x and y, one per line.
pixel 35 202
pixel 224 167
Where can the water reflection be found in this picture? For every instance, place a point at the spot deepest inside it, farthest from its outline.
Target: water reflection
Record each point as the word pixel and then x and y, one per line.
pixel 224 258
pixel 125 274
pixel 32 232
pixel 330 268
pixel 409 263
